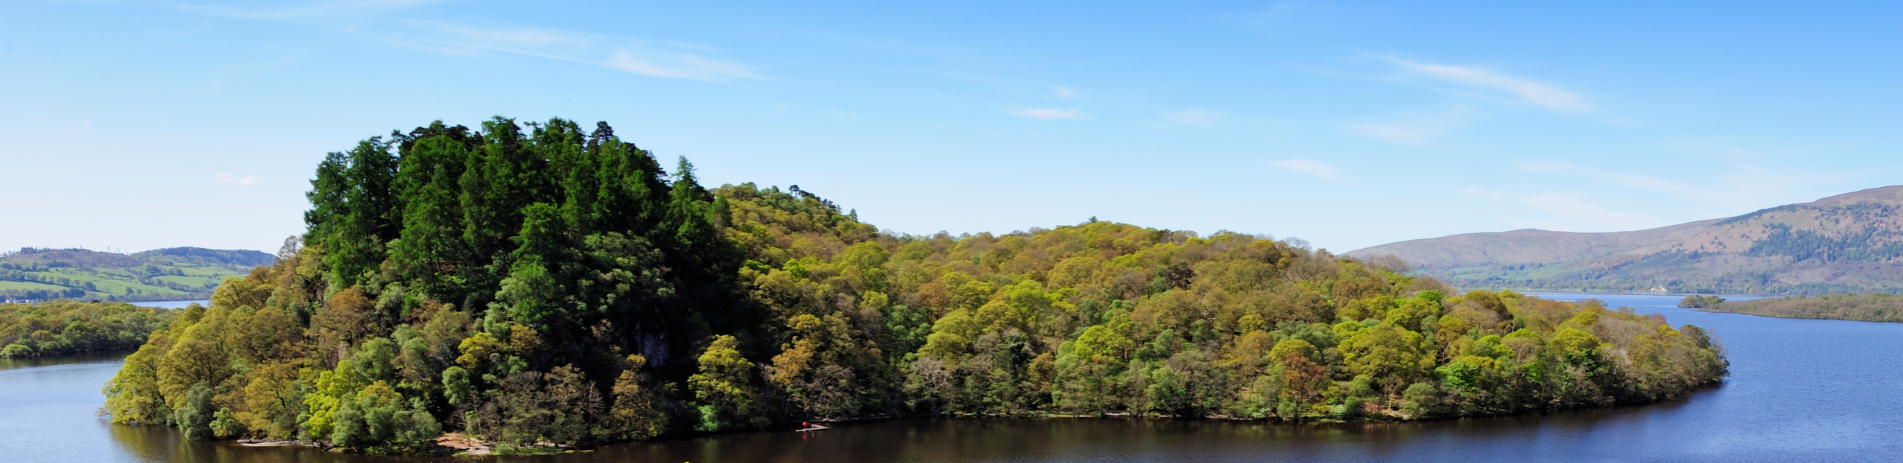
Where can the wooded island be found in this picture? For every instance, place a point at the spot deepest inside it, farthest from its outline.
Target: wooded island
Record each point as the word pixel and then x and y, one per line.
pixel 537 282
pixel 1874 307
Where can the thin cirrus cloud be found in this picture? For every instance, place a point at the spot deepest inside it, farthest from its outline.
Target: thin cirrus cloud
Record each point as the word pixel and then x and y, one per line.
pixel 668 60
pixel 1571 210
pixel 1400 133
pixel 1310 168
pixel 1522 89
pixel 1194 117
pixel 679 65
pixel 1412 129
pixel 1730 188
pixel 1047 113
pixel 307 10
pixel 247 180
pixel 661 59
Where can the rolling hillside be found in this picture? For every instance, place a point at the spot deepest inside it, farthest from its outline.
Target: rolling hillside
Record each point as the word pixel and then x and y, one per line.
pixel 1845 243
pixel 157 275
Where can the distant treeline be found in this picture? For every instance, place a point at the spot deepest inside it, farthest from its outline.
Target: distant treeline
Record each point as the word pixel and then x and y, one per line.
pixel 1879 307
pixel 86 258
pixel 202 256
pixel 1869 244
pixel 39 294
pixel 67 327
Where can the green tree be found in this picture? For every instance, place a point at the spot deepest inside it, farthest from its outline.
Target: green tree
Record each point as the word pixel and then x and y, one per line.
pixel 194 416
pixel 724 387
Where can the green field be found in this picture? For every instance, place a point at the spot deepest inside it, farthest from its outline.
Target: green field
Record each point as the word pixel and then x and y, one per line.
pixel 4 285
pixel 165 274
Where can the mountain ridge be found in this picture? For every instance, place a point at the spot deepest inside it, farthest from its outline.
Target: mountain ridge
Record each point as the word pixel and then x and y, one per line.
pixel 1851 242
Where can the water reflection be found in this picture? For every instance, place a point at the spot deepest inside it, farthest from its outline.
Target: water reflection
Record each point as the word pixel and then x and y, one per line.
pixel 112 356
pixel 1543 437
pixel 162 444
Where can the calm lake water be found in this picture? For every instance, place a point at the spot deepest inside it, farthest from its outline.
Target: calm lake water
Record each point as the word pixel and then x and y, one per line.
pixel 1800 390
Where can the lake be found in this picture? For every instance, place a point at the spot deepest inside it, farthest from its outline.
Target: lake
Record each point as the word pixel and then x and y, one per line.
pixel 1800 390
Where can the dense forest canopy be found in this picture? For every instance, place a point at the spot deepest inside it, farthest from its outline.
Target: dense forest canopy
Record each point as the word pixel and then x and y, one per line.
pixel 67 327
pixel 541 283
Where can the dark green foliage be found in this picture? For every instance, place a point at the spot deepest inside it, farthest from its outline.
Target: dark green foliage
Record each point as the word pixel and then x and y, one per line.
pixel 559 406
pixel 1866 244
pixel 456 386
pixel 355 211
pixel 378 421
pixel 1700 302
pixel 195 417
pixel 906 329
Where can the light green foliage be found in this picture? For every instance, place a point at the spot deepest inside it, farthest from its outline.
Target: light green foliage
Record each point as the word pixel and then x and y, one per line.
pixel 1385 351
pixel 634 413
pixel 1575 345
pixel 224 424
pixel 724 386
pixel 1411 312
pixel 132 395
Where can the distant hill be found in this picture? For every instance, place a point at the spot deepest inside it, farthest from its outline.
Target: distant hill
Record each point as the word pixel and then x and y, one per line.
pixel 241 257
pixel 1846 243
pixel 157 275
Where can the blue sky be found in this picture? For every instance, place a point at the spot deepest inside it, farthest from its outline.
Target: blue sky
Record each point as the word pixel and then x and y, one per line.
pixel 136 125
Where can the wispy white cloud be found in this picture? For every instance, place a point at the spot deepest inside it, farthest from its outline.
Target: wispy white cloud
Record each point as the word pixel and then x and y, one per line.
pixel 247 180
pixel 305 10
pixel 678 65
pixel 669 59
pixel 1412 129
pixel 662 59
pixel 1064 92
pixel 1576 213
pixel 1310 168
pixel 1523 89
pixel 1194 117
pixel 1625 180
pixel 1047 113
pixel 1400 133
pixel 1728 187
